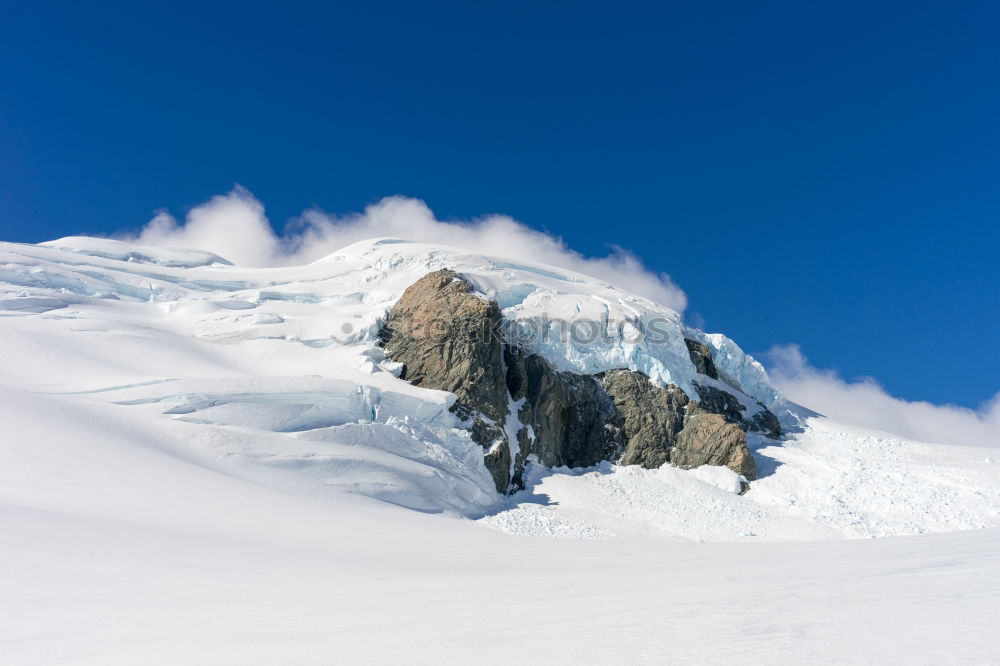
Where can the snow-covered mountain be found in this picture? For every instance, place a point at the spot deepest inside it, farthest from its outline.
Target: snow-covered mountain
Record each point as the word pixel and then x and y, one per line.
pixel 276 375
pixel 166 411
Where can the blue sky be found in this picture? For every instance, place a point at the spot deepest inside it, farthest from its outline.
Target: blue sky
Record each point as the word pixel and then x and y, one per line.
pixel 816 173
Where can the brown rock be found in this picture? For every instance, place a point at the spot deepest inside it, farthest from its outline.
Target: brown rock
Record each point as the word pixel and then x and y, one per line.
pixel 708 439
pixel 448 338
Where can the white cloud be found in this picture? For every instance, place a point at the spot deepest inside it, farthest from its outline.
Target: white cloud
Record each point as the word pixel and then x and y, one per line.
pixel 866 403
pixel 234 226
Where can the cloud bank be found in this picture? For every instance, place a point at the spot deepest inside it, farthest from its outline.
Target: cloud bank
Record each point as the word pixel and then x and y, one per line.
pixel 866 403
pixel 235 226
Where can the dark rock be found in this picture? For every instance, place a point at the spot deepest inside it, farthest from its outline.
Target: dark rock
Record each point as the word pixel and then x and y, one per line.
pixel 497 461
pixel 568 413
pixel 701 356
pixel 716 401
pixel 765 421
pixel 649 416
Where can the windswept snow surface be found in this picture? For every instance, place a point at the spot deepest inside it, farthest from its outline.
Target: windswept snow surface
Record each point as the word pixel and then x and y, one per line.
pixel 206 464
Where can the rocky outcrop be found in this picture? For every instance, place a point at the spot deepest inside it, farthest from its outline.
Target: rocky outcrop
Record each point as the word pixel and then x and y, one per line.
pixel 701 356
pixel 650 416
pixel 766 422
pixel 712 400
pixel 708 439
pixel 568 414
pixel 717 401
pixel 662 425
pixel 498 462
pixel 448 337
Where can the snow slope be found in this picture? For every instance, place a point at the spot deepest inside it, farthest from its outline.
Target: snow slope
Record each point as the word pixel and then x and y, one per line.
pixel 831 481
pixel 205 464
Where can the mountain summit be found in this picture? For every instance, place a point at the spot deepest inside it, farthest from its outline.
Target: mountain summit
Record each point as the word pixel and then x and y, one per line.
pixel 443 380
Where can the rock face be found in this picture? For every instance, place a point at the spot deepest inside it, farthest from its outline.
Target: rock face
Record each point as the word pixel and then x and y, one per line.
pixel 448 337
pixel 707 439
pixel 567 413
pixel 651 416
pixel 701 356
pixel 712 400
